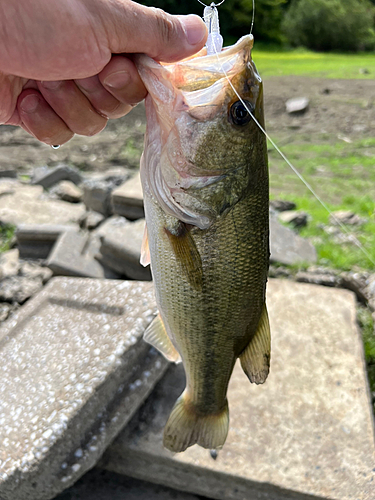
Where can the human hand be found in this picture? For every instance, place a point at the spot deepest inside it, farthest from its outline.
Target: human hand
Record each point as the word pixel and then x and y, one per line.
pixel 58 74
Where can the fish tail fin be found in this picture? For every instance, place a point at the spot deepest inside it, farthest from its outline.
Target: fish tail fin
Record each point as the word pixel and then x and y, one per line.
pixel 186 427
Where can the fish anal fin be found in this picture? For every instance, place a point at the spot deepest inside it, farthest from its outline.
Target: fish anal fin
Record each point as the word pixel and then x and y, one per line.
pixel 187 254
pixel 186 427
pixel 157 336
pixel 255 359
pixel 145 250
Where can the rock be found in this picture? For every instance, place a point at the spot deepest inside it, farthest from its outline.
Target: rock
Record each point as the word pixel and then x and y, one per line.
pixel 97 190
pixel 297 105
pixel 127 200
pixel 74 255
pixel 74 371
pixel 9 263
pixel 19 288
pixel 279 272
pixel 47 177
pixel 346 217
pixel 4 311
pixel 111 225
pixel 282 205
pixel 306 433
pixel 364 71
pixel 100 484
pixel 11 173
pixel 24 204
pixel 32 270
pixel 316 278
pixel 35 241
pixel 121 251
pixel 91 220
pixel 297 219
pixel 287 247
pixel 67 191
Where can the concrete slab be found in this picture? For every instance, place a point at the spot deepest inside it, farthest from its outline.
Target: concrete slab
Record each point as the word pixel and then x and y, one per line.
pixel 47 177
pixel 287 247
pixel 127 200
pixel 100 484
pixel 306 434
pixel 25 204
pixel 73 370
pixel 74 255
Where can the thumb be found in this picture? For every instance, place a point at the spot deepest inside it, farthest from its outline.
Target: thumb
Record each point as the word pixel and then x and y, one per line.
pixel 136 28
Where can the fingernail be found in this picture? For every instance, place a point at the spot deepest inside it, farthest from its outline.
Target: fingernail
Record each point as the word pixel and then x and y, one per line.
pixel 194 28
pixel 51 85
pixel 29 103
pixel 117 80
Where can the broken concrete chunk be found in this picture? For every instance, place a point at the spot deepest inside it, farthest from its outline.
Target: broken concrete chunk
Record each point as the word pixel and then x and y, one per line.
pixel 287 247
pixel 67 191
pixel 282 205
pixel 74 255
pixel 127 200
pixel 346 217
pixel 35 241
pixel 121 250
pixel 73 371
pixel 19 288
pixel 306 433
pixel 91 220
pixel 295 218
pixel 25 204
pixel 298 105
pixel 9 263
pixel 47 177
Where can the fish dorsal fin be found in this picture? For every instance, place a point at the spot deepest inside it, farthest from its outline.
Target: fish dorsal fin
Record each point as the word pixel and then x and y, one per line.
pixel 157 336
pixel 145 249
pixel 255 359
pixel 187 254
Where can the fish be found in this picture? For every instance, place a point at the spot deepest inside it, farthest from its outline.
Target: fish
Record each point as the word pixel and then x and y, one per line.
pixel 204 173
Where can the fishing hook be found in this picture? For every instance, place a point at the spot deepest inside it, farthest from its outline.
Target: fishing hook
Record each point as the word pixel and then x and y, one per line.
pixel 213 4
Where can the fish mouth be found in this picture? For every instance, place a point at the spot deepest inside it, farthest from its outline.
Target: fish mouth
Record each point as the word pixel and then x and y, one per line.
pixel 201 71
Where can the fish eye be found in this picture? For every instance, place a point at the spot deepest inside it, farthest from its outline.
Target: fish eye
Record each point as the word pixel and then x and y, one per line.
pixel 239 114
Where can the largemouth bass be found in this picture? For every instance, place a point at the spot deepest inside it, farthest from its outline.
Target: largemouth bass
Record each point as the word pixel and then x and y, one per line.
pixel 205 181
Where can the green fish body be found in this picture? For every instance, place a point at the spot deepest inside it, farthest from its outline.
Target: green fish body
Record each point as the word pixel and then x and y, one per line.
pixel 205 180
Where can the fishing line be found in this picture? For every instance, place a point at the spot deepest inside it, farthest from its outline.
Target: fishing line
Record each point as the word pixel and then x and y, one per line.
pixel 289 163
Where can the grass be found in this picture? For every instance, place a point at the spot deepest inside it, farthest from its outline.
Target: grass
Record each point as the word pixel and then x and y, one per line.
pixel 343 175
pixel 6 235
pixel 306 63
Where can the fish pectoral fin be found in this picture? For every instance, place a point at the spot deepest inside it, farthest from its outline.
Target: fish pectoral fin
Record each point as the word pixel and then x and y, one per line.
pixel 157 336
pixel 187 254
pixel 255 359
pixel 186 427
pixel 145 250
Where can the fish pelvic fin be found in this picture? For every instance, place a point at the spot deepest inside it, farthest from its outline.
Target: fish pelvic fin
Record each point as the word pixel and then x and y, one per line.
pixel 187 254
pixel 186 427
pixel 255 359
pixel 157 336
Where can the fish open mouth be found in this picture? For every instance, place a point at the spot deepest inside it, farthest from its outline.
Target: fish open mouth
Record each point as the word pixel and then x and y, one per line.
pixel 201 70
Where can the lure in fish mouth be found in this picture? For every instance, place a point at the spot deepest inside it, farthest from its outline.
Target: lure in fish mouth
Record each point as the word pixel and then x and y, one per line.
pixel 205 180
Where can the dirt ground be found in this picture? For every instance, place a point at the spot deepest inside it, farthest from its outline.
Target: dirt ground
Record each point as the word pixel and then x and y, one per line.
pixel 339 107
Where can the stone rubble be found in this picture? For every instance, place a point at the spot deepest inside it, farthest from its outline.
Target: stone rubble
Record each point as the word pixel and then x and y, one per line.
pixel 9 263
pixel 36 241
pixel 346 217
pixel 73 371
pixel 297 105
pixel 296 218
pixel 67 191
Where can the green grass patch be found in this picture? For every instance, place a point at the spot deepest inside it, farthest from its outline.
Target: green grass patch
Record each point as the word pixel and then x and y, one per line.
pixel 367 326
pixel 343 176
pixel 6 235
pixel 306 63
